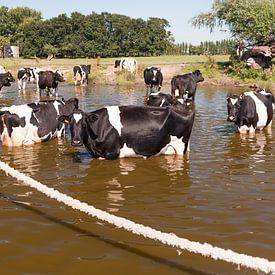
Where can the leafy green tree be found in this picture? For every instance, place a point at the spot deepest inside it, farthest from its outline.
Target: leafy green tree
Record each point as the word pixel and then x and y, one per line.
pixel 247 20
pixel 11 19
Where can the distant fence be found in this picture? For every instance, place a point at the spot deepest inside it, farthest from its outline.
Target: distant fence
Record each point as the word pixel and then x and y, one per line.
pixel 9 51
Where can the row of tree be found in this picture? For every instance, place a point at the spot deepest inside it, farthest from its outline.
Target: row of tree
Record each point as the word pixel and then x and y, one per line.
pixel 249 22
pixel 205 48
pixel 81 35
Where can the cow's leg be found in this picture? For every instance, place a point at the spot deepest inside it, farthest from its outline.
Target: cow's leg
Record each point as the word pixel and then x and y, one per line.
pixel 252 129
pixel 243 129
pixel 19 83
pixel 37 86
pixel 24 85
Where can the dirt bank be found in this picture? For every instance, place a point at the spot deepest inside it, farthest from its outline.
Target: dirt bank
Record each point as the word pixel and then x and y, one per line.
pixel 109 75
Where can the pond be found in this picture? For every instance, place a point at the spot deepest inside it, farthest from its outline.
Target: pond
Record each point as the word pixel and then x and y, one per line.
pixel 222 193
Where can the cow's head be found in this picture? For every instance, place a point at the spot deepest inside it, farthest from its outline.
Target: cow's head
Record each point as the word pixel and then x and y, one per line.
pixel 88 69
pixel 198 76
pixel 7 78
pixel 233 107
pixel 79 126
pixel 117 63
pixel 58 75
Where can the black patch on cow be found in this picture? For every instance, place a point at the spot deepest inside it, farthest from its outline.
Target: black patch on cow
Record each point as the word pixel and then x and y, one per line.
pixel 12 121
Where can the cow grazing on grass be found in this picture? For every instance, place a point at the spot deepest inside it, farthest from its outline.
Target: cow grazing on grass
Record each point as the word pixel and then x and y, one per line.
pixel 126 131
pixel 251 110
pixel 49 80
pixel 127 64
pixel 27 75
pixel 185 86
pixel 34 122
pixel 6 79
pixel 81 73
pixel 153 78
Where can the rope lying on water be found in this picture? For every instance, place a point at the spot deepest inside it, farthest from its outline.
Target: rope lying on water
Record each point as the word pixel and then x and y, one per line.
pixel 205 249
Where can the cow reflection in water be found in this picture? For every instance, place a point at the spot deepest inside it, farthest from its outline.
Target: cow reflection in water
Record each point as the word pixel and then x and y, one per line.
pixel 127 177
pixel 249 151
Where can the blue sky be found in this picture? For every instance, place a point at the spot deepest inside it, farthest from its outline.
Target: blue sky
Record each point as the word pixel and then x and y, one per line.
pixel 177 12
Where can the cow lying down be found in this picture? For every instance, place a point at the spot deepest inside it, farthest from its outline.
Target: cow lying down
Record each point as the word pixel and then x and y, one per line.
pixel 251 110
pixel 126 131
pixel 35 122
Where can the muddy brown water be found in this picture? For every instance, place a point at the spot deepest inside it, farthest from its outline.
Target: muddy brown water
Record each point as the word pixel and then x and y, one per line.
pixel 222 193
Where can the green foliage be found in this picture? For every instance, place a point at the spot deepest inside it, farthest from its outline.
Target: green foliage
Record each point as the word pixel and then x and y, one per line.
pixel 80 35
pixel 4 41
pixel 124 77
pixel 241 71
pixel 225 46
pixel 250 21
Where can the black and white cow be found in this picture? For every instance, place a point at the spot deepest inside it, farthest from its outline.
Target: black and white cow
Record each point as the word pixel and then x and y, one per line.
pixel 126 131
pixel 185 86
pixel 27 75
pixel 153 78
pixel 127 63
pixel 159 99
pixel 81 73
pixel 34 122
pixel 6 79
pixel 251 110
pixel 49 80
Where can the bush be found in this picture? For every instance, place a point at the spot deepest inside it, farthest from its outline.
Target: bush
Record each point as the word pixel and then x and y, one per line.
pixel 243 72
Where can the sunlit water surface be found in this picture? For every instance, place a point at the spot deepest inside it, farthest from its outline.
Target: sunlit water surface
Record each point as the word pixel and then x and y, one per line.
pixel 222 193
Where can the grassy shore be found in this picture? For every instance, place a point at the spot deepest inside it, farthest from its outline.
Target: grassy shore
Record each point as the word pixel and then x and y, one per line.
pixel 216 69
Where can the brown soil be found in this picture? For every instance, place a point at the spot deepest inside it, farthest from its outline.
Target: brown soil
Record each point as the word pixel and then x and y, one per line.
pixel 168 71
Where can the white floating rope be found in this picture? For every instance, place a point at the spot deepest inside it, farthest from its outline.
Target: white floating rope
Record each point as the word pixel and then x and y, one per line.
pixel 205 249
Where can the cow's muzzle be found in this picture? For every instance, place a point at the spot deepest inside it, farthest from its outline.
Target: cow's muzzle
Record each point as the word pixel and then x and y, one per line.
pixel 231 118
pixel 76 142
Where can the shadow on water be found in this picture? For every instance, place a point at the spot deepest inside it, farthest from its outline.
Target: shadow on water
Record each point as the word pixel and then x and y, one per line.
pixel 111 242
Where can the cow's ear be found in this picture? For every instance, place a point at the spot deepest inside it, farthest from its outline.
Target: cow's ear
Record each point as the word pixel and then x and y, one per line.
pixel 76 101
pixel 228 95
pixel 91 117
pixel 64 119
pixel 2 112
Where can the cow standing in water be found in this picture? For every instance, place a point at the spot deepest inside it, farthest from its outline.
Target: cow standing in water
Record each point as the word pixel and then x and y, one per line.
pixel 27 75
pixel 127 131
pixel 49 80
pixel 81 74
pixel 251 110
pixel 34 122
pixel 185 86
pixel 153 78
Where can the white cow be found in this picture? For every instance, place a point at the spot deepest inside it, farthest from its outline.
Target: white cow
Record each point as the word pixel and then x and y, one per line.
pixel 127 63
